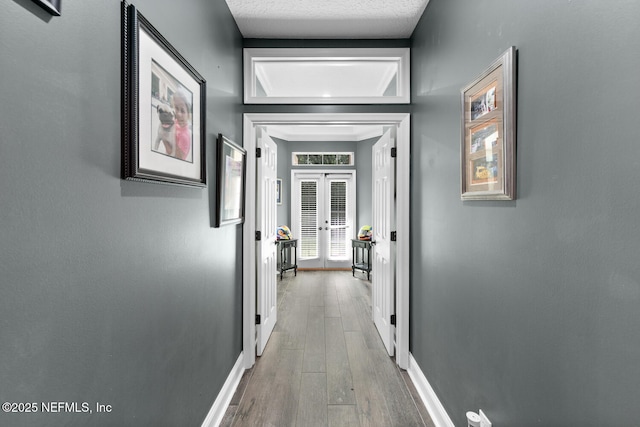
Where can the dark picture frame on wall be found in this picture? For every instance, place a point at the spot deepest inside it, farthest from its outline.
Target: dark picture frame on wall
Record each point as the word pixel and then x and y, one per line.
pixel 54 7
pixel 487 154
pixel 230 182
pixel 163 108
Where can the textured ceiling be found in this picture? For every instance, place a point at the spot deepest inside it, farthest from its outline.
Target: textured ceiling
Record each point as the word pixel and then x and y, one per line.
pixel 327 19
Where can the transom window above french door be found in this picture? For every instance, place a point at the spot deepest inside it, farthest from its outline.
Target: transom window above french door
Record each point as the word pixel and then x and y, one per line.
pixel 322 159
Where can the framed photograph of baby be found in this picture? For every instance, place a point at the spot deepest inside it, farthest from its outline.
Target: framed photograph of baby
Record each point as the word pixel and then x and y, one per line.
pixel 488 146
pixel 163 108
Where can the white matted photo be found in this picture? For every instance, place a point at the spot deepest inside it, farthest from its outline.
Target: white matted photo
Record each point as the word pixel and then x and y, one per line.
pixel 164 109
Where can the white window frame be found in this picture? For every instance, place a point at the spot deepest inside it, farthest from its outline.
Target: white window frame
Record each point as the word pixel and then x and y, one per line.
pixel 401 56
pixel 294 158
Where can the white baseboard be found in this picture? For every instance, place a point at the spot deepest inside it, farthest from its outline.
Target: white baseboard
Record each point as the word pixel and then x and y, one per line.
pixel 217 411
pixel 437 412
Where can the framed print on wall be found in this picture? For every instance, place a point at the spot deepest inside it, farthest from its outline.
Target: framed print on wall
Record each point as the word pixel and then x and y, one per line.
pixel 163 108
pixel 487 154
pixel 230 187
pixel 279 191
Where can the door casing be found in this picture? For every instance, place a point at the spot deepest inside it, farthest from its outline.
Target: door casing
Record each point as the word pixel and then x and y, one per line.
pixel 402 123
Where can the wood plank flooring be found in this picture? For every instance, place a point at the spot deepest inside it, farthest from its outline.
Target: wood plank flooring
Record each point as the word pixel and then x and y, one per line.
pixel 325 364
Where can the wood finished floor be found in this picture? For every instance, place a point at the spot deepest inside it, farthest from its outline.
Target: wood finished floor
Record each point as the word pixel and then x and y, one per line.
pixel 325 364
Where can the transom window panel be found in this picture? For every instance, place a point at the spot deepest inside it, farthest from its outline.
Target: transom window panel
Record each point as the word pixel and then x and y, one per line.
pixel 339 223
pixel 322 159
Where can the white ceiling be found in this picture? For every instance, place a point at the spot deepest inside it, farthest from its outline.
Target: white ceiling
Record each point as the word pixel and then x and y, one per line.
pixel 327 19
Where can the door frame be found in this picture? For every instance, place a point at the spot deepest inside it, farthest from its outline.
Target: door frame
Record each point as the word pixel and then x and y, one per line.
pixel 403 144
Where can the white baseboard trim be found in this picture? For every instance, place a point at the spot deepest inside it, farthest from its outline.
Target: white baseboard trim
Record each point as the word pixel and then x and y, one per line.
pixel 437 412
pixel 217 411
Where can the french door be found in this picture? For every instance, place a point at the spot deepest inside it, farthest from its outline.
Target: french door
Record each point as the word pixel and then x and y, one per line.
pixel 323 217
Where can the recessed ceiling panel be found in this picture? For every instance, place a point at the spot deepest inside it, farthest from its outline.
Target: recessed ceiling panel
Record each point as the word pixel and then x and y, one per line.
pixel 327 19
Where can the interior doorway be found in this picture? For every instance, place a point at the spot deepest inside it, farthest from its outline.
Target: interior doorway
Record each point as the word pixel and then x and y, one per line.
pixel 401 123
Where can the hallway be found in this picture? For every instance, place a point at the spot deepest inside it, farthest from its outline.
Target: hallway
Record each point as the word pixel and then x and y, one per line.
pixel 325 363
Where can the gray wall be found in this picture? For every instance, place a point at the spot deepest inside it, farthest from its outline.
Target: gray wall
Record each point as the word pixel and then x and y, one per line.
pixel 112 291
pixel 529 309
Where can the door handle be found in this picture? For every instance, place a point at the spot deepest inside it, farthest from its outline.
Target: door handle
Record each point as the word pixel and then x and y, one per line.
pixel 373 243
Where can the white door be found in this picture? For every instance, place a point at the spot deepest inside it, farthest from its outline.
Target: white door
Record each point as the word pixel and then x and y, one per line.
pixel 383 281
pixel 267 291
pixel 323 218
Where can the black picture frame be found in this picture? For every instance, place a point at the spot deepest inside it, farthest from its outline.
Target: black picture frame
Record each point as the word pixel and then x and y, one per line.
pixel 230 182
pixel 163 110
pixel 54 7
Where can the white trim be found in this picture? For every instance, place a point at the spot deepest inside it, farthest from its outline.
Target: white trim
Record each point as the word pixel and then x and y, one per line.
pixel 436 411
pixel 249 249
pixel 403 144
pixel 217 411
pixel 403 237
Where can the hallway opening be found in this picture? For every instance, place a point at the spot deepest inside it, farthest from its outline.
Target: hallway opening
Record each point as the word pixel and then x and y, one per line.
pixel 401 122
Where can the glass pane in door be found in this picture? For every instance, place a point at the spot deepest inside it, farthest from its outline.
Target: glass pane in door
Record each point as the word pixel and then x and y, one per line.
pixel 338 214
pixel 309 219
